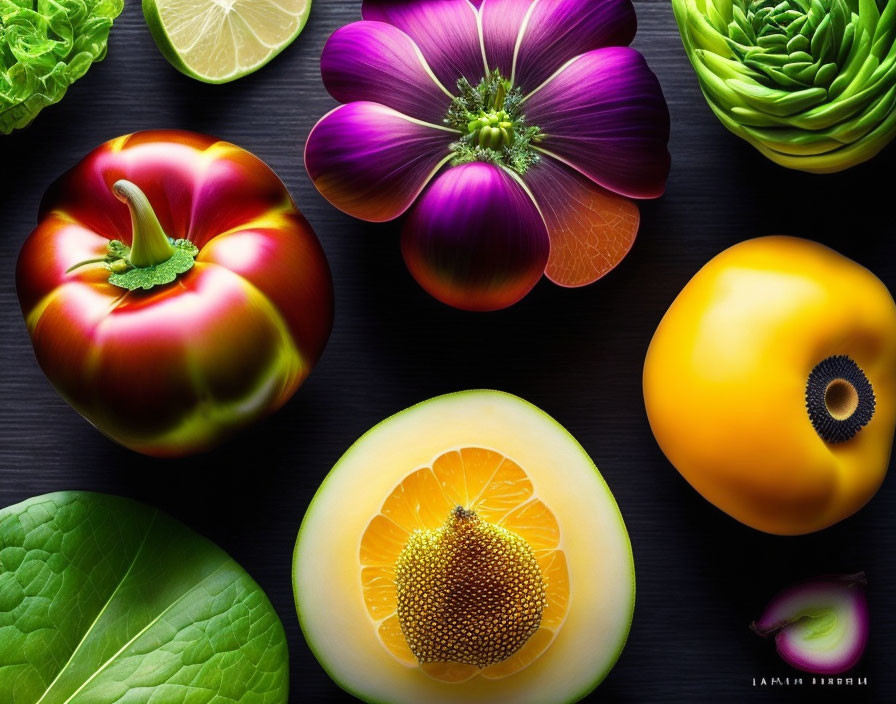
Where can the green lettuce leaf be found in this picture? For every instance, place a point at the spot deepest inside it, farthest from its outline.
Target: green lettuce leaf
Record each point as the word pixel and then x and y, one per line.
pixel 104 600
pixel 45 46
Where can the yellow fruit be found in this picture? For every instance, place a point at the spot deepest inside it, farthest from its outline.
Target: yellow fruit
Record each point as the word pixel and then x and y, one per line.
pixel 465 550
pixel 770 382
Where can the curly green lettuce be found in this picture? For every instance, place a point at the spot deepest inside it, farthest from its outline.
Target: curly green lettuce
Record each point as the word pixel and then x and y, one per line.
pixel 45 46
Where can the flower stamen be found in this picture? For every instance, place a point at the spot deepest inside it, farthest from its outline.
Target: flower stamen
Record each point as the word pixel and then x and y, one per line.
pixel 493 127
pixel 493 130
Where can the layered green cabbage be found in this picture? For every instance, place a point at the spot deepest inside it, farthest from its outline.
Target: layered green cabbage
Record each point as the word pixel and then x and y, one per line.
pixel 45 46
pixel 810 83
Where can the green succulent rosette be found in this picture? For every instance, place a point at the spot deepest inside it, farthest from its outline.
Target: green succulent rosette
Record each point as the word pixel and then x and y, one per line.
pixel 810 83
pixel 45 46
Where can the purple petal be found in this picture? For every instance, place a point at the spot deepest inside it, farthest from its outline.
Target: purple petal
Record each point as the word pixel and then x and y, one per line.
pixel 820 625
pixel 501 22
pixel 446 31
pixel 605 115
pixel 475 240
pixel 378 62
pixel 371 161
pixel 559 30
pixel 591 229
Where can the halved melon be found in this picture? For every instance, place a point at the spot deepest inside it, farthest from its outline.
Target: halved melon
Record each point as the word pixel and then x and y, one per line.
pixel 465 550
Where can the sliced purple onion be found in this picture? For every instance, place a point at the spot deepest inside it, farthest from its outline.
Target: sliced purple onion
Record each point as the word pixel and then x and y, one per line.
pixel 501 21
pixel 560 30
pixel 604 114
pixel 371 161
pixel 378 62
pixel 820 625
pixel 446 31
pixel 475 240
pixel 591 228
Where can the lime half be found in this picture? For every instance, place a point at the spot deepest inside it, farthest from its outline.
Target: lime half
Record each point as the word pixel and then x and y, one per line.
pixel 216 41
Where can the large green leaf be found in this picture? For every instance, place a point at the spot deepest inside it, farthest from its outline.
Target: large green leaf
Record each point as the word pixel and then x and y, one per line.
pixel 106 601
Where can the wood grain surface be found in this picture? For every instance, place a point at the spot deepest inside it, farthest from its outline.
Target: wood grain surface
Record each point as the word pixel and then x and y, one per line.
pixel 577 354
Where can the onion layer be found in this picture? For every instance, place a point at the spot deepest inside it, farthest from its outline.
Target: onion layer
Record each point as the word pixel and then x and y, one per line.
pixel 475 240
pixel 820 625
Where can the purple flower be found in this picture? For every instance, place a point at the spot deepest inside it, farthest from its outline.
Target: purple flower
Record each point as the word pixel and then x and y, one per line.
pixel 547 122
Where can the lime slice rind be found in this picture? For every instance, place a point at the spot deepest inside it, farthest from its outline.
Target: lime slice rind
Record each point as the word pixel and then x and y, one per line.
pixel 216 41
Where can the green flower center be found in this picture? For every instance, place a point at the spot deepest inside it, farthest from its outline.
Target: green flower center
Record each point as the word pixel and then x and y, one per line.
pixel 794 44
pixel 492 130
pixel 492 126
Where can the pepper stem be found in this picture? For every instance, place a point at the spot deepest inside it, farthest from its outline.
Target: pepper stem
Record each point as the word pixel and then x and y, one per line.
pixel 149 243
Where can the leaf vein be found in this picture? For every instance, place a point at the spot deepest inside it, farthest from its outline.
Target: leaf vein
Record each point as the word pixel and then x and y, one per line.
pixel 103 609
pixel 145 629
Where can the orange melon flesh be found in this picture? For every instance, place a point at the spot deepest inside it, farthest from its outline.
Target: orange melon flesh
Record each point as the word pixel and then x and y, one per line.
pixel 500 492
pixel 517 468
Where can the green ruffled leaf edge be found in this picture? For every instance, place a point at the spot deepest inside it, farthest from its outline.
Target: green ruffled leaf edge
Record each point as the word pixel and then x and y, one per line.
pixel 43 24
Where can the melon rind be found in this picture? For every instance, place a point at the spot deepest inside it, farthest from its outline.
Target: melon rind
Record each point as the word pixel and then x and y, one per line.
pixel 326 570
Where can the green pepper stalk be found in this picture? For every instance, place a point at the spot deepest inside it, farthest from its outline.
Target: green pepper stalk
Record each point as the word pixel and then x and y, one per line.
pixel 153 258
pixel 149 243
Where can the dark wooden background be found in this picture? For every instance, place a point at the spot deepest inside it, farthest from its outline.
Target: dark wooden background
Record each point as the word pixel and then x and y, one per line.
pixel 577 354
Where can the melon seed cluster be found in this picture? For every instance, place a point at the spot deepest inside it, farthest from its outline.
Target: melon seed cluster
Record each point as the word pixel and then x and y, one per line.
pixel 469 592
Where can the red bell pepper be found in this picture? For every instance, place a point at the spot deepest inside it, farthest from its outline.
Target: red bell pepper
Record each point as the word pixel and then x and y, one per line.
pixel 173 291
